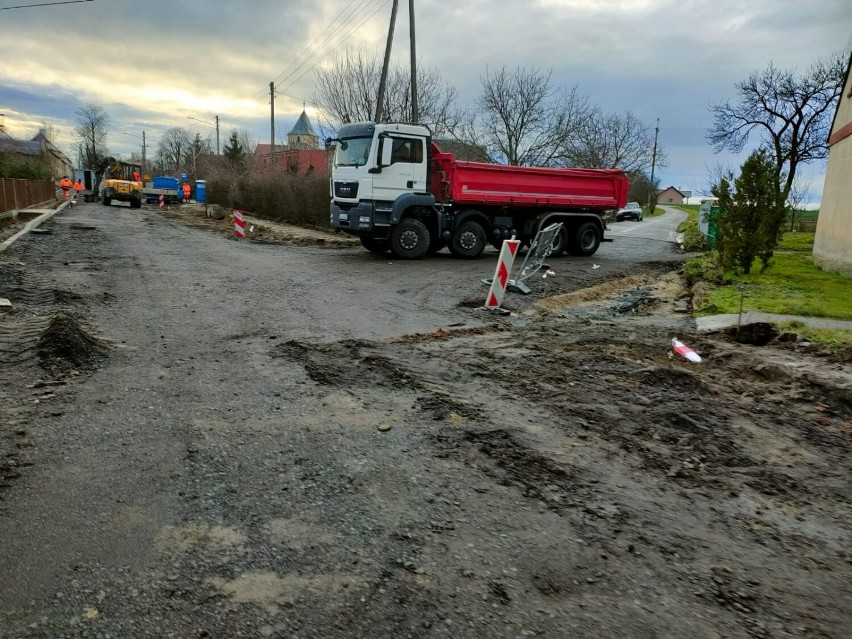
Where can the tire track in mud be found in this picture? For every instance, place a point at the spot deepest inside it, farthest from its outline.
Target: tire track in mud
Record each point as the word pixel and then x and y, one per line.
pixel 44 341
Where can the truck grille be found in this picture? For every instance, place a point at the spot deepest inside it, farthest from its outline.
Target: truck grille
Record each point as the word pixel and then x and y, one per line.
pixel 346 189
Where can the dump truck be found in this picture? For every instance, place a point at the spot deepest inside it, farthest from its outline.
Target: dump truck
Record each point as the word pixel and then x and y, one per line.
pixel 394 189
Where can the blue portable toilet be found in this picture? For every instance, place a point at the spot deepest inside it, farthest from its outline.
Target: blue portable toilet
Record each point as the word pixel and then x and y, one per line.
pixel 201 191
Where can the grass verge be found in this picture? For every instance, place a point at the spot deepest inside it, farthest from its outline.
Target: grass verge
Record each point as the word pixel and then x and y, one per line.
pixel 826 336
pixel 793 285
pixel 797 241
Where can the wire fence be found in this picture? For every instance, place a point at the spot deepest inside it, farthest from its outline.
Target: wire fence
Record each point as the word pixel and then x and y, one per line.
pixel 19 194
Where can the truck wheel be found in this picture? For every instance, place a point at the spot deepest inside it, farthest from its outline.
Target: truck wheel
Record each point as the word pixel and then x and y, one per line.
pixel 135 203
pixel 560 242
pixel 468 241
pixel 410 239
pixel 586 239
pixel 106 201
pixel 379 247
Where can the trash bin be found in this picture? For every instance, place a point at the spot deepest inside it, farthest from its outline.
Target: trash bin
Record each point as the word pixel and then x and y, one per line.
pixel 201 191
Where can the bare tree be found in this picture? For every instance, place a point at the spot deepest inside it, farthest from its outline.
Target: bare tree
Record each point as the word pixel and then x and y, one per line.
pixel 791 114
pixel 525 120
pixel 348 89
pixel 195 148
pixel 172 150
pixel 798 198
pixel 91 133
pixel 609 140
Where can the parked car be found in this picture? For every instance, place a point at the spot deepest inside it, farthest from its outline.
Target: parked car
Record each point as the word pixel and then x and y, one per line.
pixel 631 211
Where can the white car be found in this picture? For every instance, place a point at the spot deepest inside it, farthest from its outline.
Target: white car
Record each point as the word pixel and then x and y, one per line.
pixel 631 211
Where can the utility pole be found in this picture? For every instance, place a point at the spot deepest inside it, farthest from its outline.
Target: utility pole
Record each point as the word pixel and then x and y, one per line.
pixel 217 135
pixel 143 155
pixel 384 80
pixel 652 188
pixel 415 116
pixel 272 126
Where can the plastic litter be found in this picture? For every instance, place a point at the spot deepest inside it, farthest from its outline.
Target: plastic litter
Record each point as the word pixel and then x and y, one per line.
pixel 685 351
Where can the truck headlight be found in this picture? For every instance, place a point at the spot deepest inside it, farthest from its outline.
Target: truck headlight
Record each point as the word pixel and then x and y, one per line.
pixel 364 219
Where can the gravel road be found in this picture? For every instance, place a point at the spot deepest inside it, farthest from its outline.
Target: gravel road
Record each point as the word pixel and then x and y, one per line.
pixel 210 438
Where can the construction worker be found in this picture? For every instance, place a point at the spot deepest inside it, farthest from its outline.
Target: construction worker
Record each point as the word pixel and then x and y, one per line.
pixel 78 186
pixel 65 185
pixel 186 192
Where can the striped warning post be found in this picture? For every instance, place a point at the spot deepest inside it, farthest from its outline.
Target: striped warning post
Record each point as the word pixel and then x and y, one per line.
pixel 501 276
pixel 162 201
pixel 239 224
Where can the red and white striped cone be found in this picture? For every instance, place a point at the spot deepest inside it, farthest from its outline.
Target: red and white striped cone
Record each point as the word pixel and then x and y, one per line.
pixel 239 224
pixel 684 351
pixel 162 201
pixel 501 275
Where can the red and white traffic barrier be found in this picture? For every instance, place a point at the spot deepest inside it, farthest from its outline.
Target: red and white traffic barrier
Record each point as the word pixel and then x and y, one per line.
pixel 684 351
pixel 162 201
pixel 501 276
pixel 239 224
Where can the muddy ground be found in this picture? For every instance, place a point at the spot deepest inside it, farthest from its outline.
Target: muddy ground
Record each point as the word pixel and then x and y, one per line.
pixel 210 438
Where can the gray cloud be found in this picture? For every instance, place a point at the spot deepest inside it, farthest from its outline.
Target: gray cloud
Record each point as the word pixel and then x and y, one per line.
pixel 658 58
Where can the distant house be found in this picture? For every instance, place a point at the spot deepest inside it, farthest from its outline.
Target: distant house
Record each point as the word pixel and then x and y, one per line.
pixel 833 243
pixel 301 155
pixel 37 150
pixel 671 196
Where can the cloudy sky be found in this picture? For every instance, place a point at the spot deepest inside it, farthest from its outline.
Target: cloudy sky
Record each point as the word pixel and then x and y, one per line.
pixel 153 64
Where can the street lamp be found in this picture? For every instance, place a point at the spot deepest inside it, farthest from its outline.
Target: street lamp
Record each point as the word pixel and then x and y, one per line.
pixel 210 124
pixel 144 148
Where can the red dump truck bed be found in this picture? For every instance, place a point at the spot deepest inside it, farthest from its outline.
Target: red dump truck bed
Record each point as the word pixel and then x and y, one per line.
pixel 477 183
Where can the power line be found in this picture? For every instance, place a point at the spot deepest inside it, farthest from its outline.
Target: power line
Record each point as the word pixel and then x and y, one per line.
pixel 43 4
pixel 333 49
pixel 327 53
pixel 364 4
pixel 328 26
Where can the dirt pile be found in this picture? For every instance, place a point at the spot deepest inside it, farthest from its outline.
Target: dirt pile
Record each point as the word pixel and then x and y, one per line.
pixel 67 344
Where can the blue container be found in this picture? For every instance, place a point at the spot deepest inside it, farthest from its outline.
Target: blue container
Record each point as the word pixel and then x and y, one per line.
pixel 201 191
pixel 164 182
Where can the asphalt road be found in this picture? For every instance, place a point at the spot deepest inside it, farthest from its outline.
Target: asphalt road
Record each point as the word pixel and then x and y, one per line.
pixel 201 437
pixel 661 228
pixel 192 316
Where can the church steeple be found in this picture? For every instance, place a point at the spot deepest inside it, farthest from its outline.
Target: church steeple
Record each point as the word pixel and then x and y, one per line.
pixel 302 135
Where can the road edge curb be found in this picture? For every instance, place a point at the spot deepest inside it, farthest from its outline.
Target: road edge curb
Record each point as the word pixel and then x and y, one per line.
pixel 32 224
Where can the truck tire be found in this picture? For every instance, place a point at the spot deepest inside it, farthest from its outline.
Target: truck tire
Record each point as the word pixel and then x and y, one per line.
pixel 468 240
pixel 410 239
pixel 560 242
pixel 586 240
pixel 379 247
pixel 106 201
pixel 136 203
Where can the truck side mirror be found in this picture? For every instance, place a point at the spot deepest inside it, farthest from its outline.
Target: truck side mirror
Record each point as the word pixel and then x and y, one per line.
pixel 387 153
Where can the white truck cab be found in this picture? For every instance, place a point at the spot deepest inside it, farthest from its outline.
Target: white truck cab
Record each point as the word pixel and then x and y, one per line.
pixel 380 170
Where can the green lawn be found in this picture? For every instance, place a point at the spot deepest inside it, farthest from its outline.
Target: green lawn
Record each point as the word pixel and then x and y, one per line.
pixel 797 241
pixel 792 285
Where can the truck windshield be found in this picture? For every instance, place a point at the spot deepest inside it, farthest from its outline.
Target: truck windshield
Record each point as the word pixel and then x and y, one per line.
pixel 352 152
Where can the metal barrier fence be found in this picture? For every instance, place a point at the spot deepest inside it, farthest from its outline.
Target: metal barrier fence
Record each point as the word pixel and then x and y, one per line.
pixel 19 194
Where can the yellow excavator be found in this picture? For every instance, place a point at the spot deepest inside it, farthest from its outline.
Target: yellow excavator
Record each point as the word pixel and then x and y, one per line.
pixel 122 182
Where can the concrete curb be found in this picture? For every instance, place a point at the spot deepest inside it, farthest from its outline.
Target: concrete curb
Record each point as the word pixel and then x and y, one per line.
pixel 32 224
pixel 713 323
